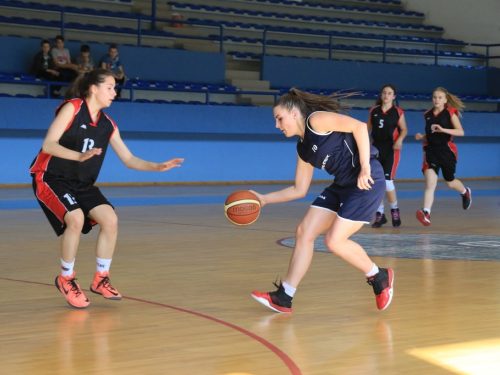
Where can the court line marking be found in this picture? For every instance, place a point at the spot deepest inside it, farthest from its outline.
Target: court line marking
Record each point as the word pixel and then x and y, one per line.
pixel 294 369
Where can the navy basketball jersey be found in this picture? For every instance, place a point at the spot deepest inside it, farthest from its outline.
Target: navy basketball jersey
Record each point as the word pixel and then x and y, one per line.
pixel 443 119
pixel 81 135
pixel 335 152
pixel 385 125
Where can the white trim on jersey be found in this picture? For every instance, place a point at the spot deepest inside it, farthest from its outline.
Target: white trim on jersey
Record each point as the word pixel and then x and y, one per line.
pixel 352 155
pixel 309 127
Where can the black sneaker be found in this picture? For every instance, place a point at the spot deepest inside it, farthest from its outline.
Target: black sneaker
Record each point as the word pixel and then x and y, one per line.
pixel 380 220
pixel 396 219
pixel 382 284
pixel 467 199
pixel 278 301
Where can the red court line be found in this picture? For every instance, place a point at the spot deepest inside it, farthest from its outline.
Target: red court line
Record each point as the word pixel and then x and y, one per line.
pixel 294 369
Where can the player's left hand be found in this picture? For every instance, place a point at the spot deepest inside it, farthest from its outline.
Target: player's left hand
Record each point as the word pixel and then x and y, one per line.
pixel 436 128
pixel 398 145
pixel 364 179
pixel 165 166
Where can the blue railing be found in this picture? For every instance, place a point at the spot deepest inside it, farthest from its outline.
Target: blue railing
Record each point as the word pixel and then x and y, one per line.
pixel 383 49
pixel 132 89
pixel 384 39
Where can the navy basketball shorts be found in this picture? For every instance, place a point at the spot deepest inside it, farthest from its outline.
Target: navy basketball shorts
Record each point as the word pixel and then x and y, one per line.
pixel 350 202
pixel 444 158
pixel 389 158
pixel 57 196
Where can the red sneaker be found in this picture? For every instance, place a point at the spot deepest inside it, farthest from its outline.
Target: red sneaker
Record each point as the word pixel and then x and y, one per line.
pixel 467 199
pixel 424 217
pixel 71 291
pixel 278 301
pixel 382 284
pixel 101 285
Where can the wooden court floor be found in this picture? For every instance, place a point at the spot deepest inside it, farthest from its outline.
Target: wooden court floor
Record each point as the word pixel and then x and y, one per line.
pixel 186 274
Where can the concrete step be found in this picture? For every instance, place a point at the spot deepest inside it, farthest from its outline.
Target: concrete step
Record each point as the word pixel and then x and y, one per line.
pixel 249 84
pixel 258 100
pixel 232 64
pixel 242 74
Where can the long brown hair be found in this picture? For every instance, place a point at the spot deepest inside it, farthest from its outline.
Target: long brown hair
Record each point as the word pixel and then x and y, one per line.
pixel 452 100
pixel 392 87
pixel 81 86
pixel 308 103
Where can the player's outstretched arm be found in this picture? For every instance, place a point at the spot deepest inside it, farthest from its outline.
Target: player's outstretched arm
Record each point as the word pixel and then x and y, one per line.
pixel 303 178
pixel 134 162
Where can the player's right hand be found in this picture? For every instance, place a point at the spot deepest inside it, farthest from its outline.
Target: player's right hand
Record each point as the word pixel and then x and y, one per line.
pixel 419 136
pixel 88 154
pixel 260 197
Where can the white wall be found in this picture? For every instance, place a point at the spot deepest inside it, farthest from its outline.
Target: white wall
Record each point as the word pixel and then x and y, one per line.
pixel 472 21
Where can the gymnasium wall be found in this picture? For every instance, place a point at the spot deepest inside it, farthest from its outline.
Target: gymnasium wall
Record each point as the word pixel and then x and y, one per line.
pixel 368 76
pixel 138 62
pixel 218 143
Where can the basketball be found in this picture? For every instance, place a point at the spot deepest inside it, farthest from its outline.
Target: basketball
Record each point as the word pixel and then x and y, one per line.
pixel 242 208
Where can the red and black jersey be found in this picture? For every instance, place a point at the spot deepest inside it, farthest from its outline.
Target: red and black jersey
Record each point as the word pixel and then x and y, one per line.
pixel 385 125
pixel 443 119
pixel 81 135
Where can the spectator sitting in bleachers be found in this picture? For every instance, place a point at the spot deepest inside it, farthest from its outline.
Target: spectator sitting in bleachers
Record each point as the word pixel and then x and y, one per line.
pixel 62 60
pixel 84 61
pixel 43 67
pixel 112 62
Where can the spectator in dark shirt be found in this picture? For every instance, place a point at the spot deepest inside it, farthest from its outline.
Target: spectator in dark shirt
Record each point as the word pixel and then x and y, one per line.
pixel 43 67
pixel 112 62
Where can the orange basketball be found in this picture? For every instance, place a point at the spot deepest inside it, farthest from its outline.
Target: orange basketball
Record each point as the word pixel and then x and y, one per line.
pixel 242 207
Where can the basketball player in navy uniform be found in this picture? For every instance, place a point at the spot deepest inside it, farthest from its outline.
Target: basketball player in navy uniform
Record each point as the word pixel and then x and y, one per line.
pixel 339 145
pixel 388 129
pixel 440 153
pixel 64 173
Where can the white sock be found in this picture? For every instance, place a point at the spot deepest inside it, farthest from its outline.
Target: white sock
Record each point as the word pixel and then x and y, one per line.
pixel 290 290
pixel 373 271
pixel 380 209
pixel 465 191
pixel 67 268
pixel 394 205
pixel 103 264
pixel 428 210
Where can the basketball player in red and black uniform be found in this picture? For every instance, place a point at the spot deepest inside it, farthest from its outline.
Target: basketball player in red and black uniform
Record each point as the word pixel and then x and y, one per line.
pixel 441 125
pixel 388 129
pixel 64 173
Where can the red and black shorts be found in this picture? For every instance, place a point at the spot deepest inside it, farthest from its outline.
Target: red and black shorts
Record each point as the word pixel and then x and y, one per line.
pixel 57 196
pixel 388 157
pixel 444 158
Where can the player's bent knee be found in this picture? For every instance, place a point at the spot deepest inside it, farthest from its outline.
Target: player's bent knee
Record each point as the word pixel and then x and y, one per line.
pixel 333 245
pixel 74 220
pixel 389 185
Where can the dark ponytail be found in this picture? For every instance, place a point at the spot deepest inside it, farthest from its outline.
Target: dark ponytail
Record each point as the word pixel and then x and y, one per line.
pixel 308 103
pixel 81 86
pixel 392 87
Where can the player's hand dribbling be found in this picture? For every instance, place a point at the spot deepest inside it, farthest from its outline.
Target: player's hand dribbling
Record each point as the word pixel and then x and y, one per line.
pixel 88 154
pixel 364 179
pixel 260 197
pixel 174 163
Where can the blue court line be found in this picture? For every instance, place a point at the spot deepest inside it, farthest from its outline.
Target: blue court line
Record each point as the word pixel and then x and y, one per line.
pixel 20 204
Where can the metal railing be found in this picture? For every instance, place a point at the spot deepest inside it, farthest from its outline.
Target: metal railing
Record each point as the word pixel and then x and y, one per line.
pixel 153 20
